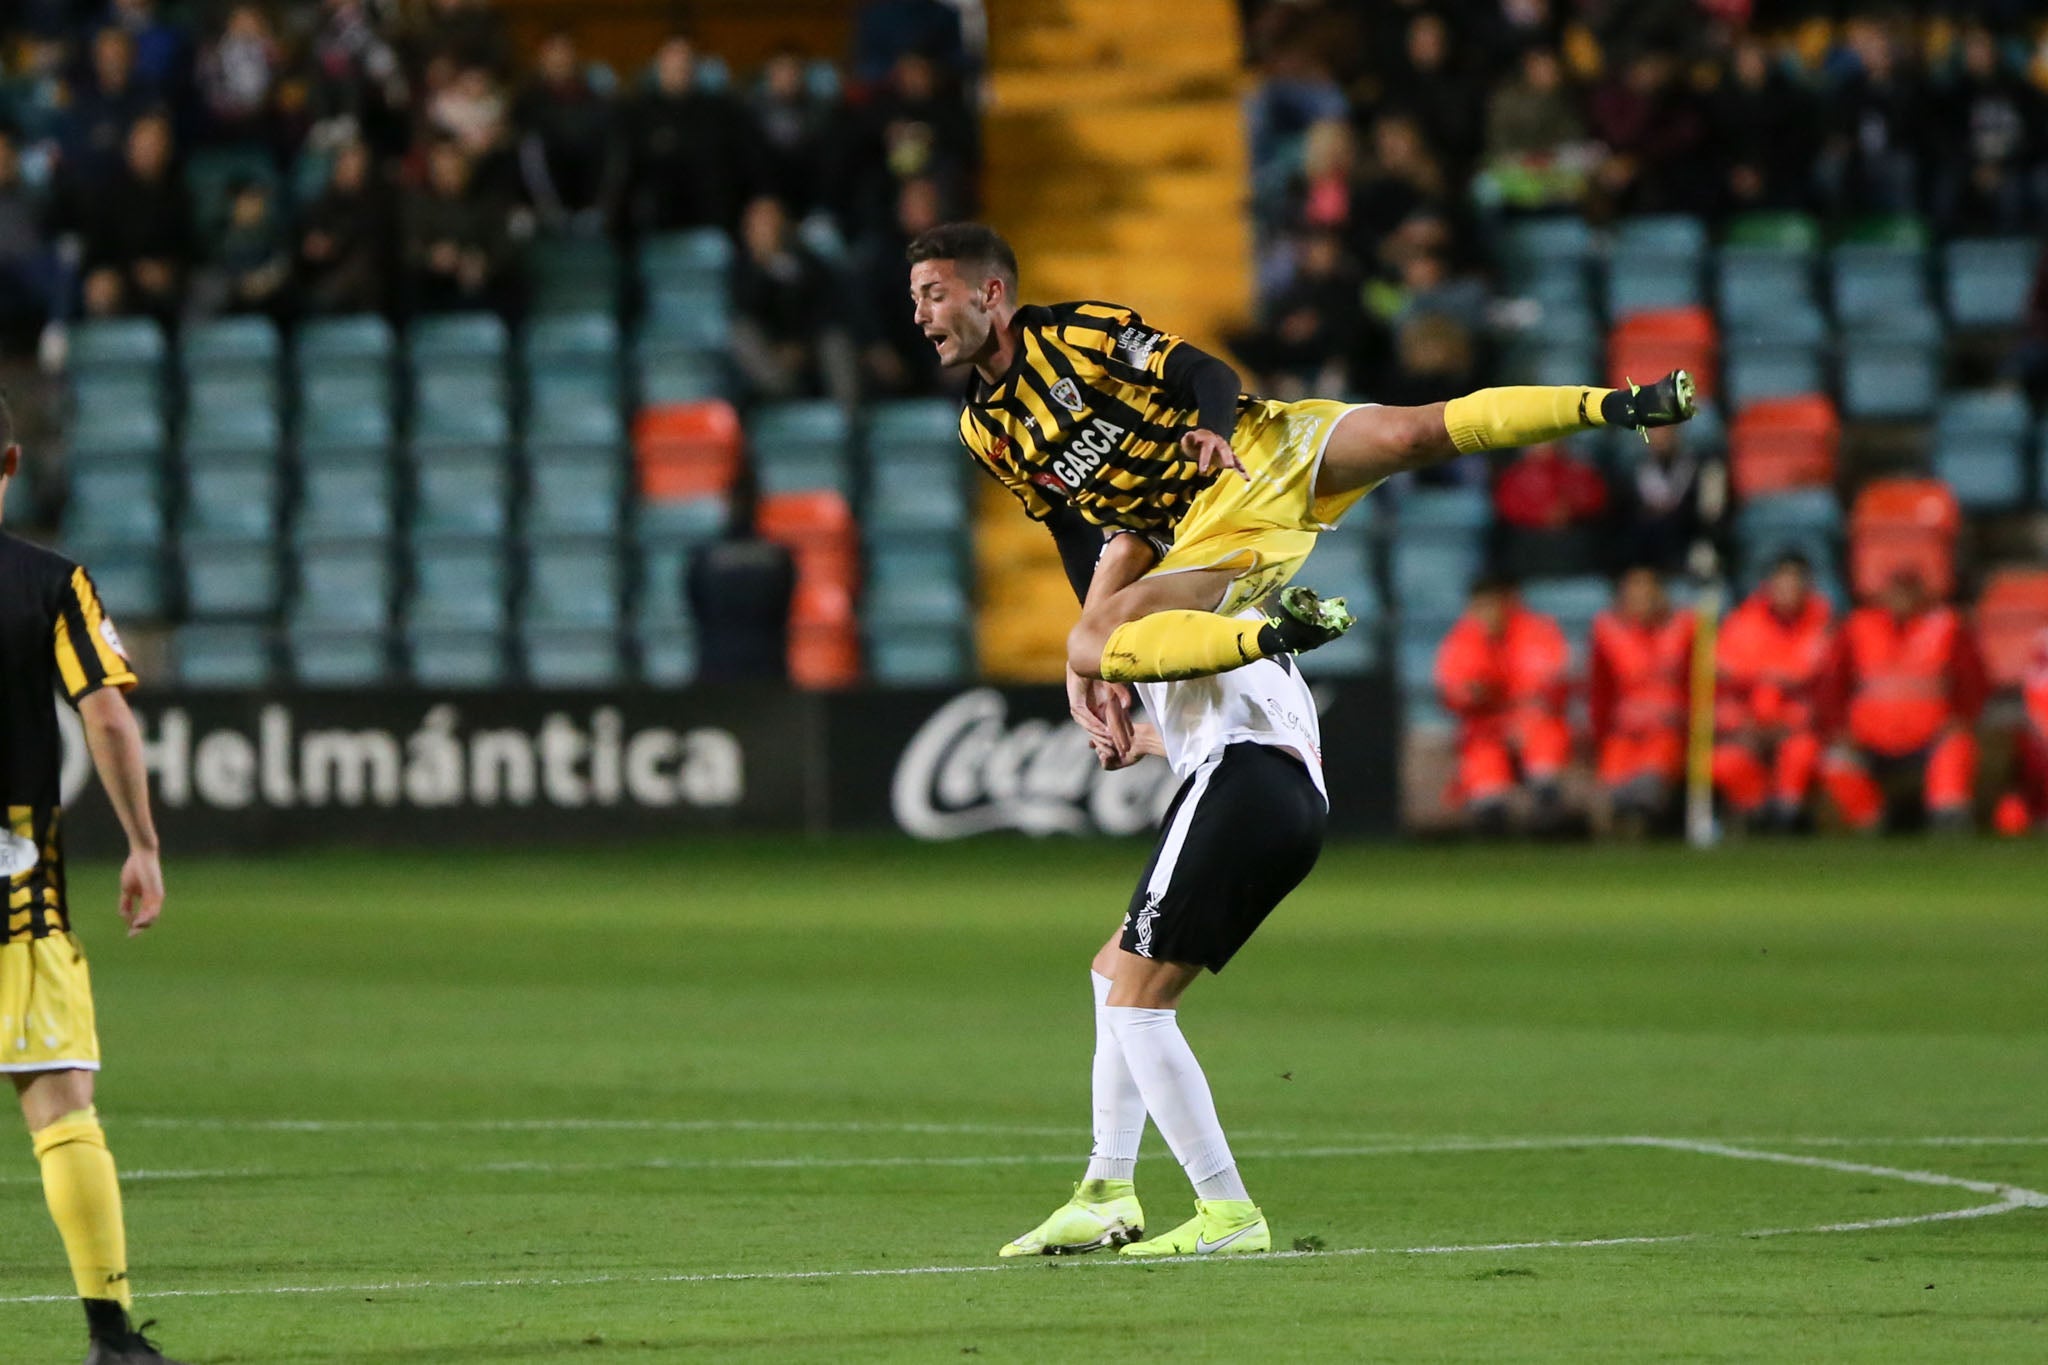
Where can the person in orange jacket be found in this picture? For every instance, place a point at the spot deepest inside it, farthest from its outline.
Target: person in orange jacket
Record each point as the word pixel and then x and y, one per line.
pixel 1906 688
pixel 2027 804
pixel 1502 672
pixel 1773 655
pixel 1639 694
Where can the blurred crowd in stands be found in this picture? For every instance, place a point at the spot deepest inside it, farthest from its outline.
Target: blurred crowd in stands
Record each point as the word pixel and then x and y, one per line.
pixel 1382 133
pixel 367 155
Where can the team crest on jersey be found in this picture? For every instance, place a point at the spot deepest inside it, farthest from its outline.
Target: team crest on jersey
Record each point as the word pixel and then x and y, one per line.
pixel 1067 394
pixel 112 637
pixel 17 855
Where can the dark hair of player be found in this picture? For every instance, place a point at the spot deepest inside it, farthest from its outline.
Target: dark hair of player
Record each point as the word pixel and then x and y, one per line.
pixel 976 248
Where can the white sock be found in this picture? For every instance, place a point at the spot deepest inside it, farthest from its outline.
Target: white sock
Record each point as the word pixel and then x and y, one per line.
pixel 1119 1108
pixel 1177 1096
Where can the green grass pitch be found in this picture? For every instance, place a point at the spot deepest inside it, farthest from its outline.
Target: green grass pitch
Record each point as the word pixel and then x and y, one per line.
pixel 721 1100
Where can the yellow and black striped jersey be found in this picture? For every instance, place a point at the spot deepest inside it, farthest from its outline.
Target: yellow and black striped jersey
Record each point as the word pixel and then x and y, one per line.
pixel 54 638
pixel 1088 417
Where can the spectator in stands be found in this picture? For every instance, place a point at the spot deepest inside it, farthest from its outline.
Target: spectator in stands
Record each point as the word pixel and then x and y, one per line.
pixel 27 269
pixel 469 32
pixel 238 71
pixel 887 30
pixel 356 75
pixel 895 357
pixel 2026 805
pixel 1993 118
pixel 1762 124
pixel 1501 672
pixel 250 269
pixel 160 47
pixel 793 144
pixel 740 588
pixel 687 148
pixel 136 234
pixel 344 238
pixel 1550 504
pixel 456 250
pixel 784 342
pixel 467 106
pixel 1672 496
pixel 1321 194
pixel 1535 135
pixel 1773 656
pixel 570 151
pixel 1405 179
pixel 96 128
pixel 1434 83
pixel 1639 697
pixel 1433 362
pixel 924 128
pixel 1654 132
pixel 2028 363
pixel 1312 330
pixel 1906 687
pixel 1870 161
pixel 1296 90
pixel 1428 287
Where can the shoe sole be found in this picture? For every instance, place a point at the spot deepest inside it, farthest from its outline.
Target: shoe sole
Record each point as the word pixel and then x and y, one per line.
pixel 1688 406
pixel 1312 609
pixel 1116 1237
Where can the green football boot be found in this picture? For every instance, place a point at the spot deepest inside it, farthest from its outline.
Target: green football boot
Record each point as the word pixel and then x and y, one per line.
pixel 1302 620
pixel 1102 1213
pixel 1220 1227
pixel 1666 403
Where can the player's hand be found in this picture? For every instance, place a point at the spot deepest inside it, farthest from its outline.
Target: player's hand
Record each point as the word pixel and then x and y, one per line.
pixel 142 890
pixel 1212 453
pixel 1103 709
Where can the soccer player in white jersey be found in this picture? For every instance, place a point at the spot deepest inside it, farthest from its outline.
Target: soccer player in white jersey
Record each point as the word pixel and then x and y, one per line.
pixel 1244 829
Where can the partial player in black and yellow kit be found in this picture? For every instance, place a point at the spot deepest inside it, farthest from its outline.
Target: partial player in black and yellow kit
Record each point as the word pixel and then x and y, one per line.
pixel 56 640
pixel 1102 424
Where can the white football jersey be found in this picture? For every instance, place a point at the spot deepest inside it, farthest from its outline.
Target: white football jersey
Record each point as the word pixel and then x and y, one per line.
pixel 1265 702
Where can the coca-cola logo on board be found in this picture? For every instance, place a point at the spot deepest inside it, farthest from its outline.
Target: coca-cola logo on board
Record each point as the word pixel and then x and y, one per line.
pixel 969 771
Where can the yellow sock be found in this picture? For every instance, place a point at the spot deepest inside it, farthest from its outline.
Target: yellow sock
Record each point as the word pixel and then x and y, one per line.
pixel 1522 415
pixel 85 1202
pixel 1169 645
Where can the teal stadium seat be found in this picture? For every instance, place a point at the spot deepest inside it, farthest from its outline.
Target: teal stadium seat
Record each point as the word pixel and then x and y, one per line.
pixel 1422 508
pixel 698 254
pixel 1415 650
pixel 1545 362
pixel 1987 412
pixel 801 447
pixel 1757 282
pixel 466 338
pixel 697 316
pixel 102 346
pixel 342 586
pixel 1873 281
pixel 229 577
pixel 346 416
pixel 1985 282
pixel 130 578
pixel 116 435
pixel 1987 472
pixel 102 393
pixel 571 343
pixel 345 501
pixel 233 500
pixel 1891 370
pixel 570 496
pixel 323 657
pixel 1571 602
pixel 231 424
pixel 246 347
pixel 457 412
pixel 573 275
pixel 115 505
pixel 459 583
pixel 222 655
pixel 916 583
pixel 354 344
pixel 1341 566
pixel 1808 520
pixel 463 492
pixel 910 494
pixel 913 656
pixel 1431 573
pixel 680 522
pixel 665 374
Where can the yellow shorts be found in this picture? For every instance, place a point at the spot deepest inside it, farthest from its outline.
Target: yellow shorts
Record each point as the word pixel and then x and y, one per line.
pixel 46 1018
pixel 1265 525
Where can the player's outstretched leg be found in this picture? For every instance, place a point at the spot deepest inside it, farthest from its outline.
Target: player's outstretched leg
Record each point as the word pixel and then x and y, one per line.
pixel 1104 1211
pixel 1370 444
pixel 1166 646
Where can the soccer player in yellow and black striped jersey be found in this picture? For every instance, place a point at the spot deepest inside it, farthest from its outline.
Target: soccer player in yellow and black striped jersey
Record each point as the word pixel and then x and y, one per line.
pixel 56 639
pixel 1108 428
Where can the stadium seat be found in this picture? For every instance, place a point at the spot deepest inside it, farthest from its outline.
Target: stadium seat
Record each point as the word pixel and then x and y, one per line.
pixel 356 343
pixel 455 658
pixel 115 504
pixel 1985 282
pixel 2012 614
pixel 680 521
pixel 1756 282
pixel 116 393
pixel 1983 412
pixel 324 656
pixel 463 492
pixel 1872 282
pixel 1535 361
pixel 1572 603
pixel 914 584
pixel 925 426
pixel 571 343
pixel 1432 573
pixel 697 317
pixel 1808 520
pixel 226 429
pixel 572 583
pixel 121 436
pixel 240 500
pixel 1416 645
pixel 1781 443
pixel 801 447
pixel 459 583
pixel 345 501
pixel 342 586
pixel 908 494
pixel 574 410
pixel 1903 524
pixel 1678 235
pixel 1643 283
pixel 1422 508
pixel 1890 378
pixel 569 656
pixel 693 255
pixel 133 346
pixel 1529 244
pixel 911 656
pixel 1769 369
pixel 245 347
pixel 1775 230
pixel 229 576
pixel 573 275
pixel 1341 566
pixel 1986 472
pixel 667 376
pixel 467 338
pixel 222 655
pixel 686 451
pixel 573 496
pixel 454 413
pixel 665 655
pixel 345 415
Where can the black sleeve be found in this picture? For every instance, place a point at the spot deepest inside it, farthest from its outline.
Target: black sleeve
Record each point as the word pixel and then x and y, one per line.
pixel 1211 384
pixel 1080 542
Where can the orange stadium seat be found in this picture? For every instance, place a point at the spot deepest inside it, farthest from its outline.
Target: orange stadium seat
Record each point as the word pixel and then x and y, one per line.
pixel 1647 345
pixel 1903 524
pixel 824 637
pixel 1776 444
pixel 686 450
pixel 2011 615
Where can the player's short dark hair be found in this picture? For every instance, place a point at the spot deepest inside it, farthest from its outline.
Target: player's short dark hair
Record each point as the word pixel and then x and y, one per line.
pixel 1793 559
pixel 1493 581
pixel 972 246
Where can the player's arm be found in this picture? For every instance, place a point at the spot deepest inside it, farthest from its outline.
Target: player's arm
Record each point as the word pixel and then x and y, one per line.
pixel 1101 708
pixel 1209 385
pixel 1125 347
pixel 95 674
pixel 115 742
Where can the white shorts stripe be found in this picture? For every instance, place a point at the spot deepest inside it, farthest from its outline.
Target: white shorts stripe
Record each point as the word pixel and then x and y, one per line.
pixel 1170 845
